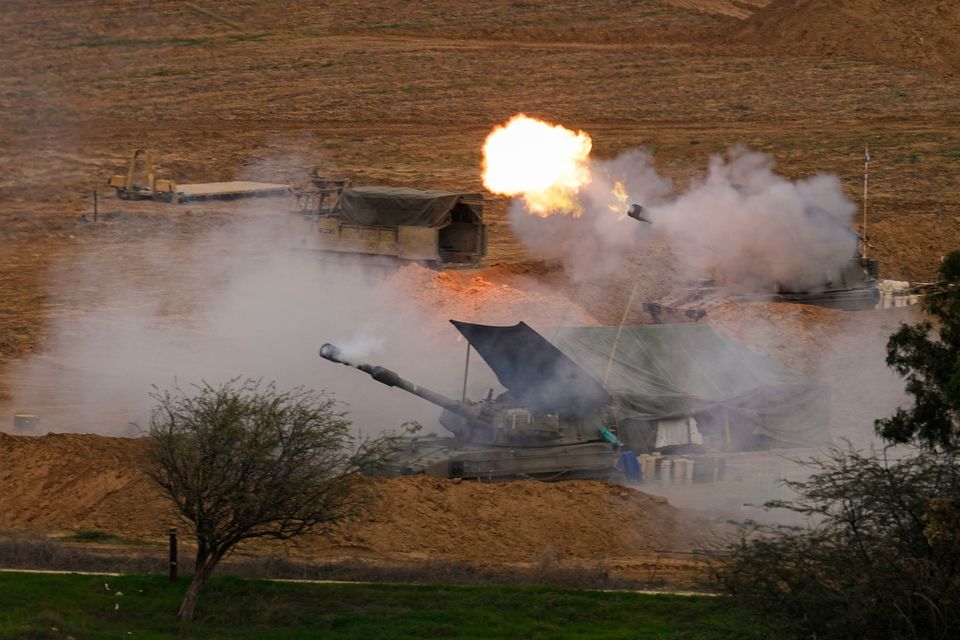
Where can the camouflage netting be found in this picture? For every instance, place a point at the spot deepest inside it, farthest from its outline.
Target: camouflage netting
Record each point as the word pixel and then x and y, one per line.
pixel 661 372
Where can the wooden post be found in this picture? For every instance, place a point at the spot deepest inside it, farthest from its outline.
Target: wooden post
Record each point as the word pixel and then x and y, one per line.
pixel 94 205
pixel 866 173
pixel 173 554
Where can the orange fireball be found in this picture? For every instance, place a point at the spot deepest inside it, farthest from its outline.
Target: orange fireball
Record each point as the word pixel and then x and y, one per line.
pixel 543 163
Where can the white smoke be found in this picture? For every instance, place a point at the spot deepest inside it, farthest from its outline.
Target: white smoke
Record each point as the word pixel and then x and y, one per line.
pixel 361 346
pixel 239 302
pixel 600 241
pixel 756 229
pixel 741 223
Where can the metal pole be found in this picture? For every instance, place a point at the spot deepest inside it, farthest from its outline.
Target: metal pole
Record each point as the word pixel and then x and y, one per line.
pixel 466 370
pixel 173 554
pixel 94 205
pixel 616 338
pixel 866 166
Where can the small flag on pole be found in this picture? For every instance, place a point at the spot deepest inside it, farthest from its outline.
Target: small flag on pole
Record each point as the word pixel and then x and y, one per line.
pixel 866 154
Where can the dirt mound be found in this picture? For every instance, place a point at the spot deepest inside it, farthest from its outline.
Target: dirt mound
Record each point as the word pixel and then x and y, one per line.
pixel 517 521
pixel 71 482
pixel 68 482
pixel 924 33
pixel 492 296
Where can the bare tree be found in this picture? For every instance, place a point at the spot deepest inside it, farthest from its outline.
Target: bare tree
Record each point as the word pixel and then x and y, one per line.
pixel 244 461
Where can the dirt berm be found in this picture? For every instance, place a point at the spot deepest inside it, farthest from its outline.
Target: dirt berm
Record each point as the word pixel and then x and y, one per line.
pixel 59 483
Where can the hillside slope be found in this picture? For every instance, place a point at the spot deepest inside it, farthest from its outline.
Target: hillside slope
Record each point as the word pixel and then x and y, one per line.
pixel 920 33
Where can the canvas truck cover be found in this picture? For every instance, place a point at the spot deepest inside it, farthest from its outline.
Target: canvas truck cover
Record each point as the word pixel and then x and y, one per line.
pixel 659 372
pixel 397 206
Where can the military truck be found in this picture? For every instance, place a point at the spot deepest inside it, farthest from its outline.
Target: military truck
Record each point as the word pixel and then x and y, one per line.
pixel 438 228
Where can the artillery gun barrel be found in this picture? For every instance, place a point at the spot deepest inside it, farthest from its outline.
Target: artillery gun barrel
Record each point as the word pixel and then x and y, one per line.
pixel 392 379
pixel 638 213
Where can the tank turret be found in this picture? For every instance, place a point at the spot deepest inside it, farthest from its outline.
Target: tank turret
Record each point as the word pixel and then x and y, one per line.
pixel 495 421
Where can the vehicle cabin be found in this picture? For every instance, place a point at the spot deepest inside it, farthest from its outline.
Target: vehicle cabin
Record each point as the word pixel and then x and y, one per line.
pixel 441 228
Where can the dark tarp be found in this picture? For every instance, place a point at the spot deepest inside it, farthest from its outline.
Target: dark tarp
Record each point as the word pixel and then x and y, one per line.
pixel 536 373
pixel 397 206
pixel 670 371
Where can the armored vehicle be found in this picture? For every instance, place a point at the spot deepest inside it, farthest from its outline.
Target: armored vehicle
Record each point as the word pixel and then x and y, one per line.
pixel 852 287
pixel 682 390
pixel 524 433
pixel 439 228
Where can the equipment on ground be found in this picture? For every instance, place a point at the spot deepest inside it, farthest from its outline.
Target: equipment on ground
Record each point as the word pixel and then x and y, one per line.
pixel 440 228
pixel 165 190
pixel 671 398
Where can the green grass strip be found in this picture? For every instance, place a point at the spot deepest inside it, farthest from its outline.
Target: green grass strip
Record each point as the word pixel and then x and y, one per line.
pixel 144 606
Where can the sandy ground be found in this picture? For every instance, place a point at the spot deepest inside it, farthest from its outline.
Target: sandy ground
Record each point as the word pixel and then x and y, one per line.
pixel 404 94
pixel 62 483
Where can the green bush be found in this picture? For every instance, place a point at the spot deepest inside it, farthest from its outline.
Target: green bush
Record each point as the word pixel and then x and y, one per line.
pixel 880 555
pixel 880 559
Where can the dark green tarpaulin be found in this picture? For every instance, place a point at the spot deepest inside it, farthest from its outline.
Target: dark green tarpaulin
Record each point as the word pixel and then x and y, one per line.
pixel 397 206
pixel 658 372
pixel 671 371
pixel 539 375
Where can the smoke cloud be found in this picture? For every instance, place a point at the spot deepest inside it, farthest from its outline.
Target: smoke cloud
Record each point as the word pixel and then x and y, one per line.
pixel 755 229
pixel 599 242
pixel 741 223
pixel 238 302
pixel 360 347
pixel 845 350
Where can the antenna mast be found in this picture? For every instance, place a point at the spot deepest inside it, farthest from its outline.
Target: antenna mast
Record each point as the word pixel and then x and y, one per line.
pixel 866 173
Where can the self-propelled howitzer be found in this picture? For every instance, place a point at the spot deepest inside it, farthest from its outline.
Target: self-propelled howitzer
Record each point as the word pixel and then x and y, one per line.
pixel 500 438
pixel 854 286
